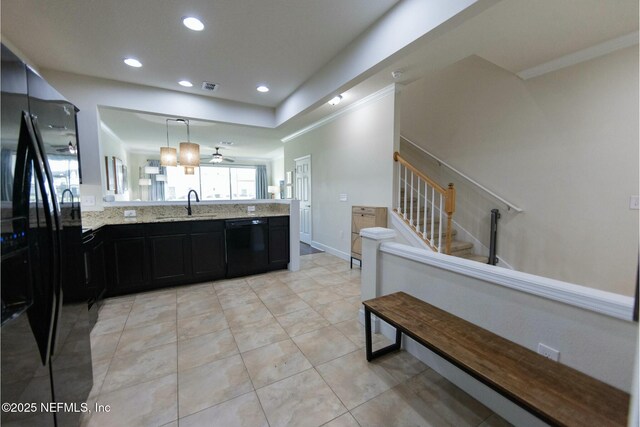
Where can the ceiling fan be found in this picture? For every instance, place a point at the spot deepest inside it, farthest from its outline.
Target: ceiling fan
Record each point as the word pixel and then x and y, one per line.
pixel 70 148
pixel 217 157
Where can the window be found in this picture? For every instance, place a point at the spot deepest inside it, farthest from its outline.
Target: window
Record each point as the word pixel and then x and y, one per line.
pixel 212 183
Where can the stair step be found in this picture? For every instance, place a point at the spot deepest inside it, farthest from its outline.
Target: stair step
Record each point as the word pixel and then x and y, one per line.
pixel 474 257
pixel 458 248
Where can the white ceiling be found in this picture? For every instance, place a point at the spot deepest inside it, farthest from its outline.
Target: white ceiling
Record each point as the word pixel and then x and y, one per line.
pixel 244 43
pixel 284 44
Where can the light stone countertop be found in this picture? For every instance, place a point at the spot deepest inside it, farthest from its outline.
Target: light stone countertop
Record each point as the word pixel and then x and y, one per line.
pixel 114 215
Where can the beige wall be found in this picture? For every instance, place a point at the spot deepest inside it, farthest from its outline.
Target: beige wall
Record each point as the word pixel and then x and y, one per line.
pixel 562 146
pixel 352 155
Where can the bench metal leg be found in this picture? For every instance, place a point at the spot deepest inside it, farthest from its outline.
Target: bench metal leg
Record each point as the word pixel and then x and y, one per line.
pixel 367 333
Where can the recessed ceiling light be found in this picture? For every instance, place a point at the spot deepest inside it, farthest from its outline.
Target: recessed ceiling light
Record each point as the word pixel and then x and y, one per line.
pixel 193 23
pixel 185 83
pixel 132 62
pixel 336 100
pixel 262 88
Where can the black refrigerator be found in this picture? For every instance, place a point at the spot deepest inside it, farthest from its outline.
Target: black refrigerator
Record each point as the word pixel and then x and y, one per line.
pixel 45 332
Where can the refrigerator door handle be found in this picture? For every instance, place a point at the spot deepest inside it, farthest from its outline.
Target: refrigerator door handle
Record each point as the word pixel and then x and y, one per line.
pixel 57 284
pixel 50 219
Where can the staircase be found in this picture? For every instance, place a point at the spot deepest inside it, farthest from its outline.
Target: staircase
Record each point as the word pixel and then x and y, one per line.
pixel 428 211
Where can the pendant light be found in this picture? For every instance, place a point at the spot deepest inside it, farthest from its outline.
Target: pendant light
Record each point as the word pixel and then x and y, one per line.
pixel 189 152
pixel 168 155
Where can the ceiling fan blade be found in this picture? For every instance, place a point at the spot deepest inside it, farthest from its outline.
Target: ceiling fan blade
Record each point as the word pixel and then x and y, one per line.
pixel 226 159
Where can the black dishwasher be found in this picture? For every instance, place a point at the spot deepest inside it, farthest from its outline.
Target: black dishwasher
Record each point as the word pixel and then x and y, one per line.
pixel 247 246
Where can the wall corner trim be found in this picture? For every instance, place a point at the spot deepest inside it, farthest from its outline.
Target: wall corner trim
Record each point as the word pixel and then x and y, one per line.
pixel 367 99
pixel 606 303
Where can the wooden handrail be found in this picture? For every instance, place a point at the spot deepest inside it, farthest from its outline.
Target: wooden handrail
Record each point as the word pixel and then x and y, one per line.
pixel 449 207
pixel 440 189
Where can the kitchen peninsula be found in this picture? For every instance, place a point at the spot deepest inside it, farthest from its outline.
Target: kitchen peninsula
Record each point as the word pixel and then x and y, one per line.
pixel 140 246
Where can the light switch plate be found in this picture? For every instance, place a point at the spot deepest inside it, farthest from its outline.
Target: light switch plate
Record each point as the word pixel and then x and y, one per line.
pixel 634 202
pixel 343 197
pixel 130 213
pixel 251 208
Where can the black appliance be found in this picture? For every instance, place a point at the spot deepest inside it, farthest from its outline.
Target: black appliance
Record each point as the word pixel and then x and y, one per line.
pixel 247 246
pixel 45 343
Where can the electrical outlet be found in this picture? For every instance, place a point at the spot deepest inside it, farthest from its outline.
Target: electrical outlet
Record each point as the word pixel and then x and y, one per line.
pixel 634 202
pixel 88 201
pixel 251 208
pixel 130 213
pixel 548 352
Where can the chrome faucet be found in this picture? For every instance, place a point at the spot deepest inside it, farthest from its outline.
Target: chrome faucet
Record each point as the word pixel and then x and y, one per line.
pixel 188 208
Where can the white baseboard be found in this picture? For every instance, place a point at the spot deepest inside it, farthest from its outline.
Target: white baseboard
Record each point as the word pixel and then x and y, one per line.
pixel 333 251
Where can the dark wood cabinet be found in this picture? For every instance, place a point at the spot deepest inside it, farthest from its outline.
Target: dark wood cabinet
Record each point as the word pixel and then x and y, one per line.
pixel 148 256
pixel 94 270
pixel 278 242
pixel 168 245
pixel 208 250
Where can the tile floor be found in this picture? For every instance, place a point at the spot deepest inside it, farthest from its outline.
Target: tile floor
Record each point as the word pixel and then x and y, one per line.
pixel 280 349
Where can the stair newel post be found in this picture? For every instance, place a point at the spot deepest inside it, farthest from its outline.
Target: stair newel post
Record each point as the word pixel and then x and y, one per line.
pixel 450 207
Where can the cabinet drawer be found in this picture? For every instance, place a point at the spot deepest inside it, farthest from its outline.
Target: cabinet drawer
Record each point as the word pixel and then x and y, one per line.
pixel 363 210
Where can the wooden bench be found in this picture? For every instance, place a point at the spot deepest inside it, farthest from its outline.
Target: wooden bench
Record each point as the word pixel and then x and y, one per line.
pixel 555 393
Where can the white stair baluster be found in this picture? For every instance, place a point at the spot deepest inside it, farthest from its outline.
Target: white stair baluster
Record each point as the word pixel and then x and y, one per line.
pixel 433 212
pixel 411 202
pixel 404 211
pixel 399 186
pixel 426 204
pixel 418 208
pixel 440 228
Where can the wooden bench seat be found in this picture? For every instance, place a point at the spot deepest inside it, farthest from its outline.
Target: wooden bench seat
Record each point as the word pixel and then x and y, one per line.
pixel 555 393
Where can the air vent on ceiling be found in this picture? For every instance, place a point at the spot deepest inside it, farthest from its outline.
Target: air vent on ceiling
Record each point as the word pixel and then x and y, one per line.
pixel 226 143
pixel 211 87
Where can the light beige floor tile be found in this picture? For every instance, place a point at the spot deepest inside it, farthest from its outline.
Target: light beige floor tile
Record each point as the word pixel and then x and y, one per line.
pixel 190 327
pixel 104 346
pixel 205 288
pixel 232 301
pixel 285 304
pixel 302 321
pixel 115 309
pixel 210 384
pixel 198 306
pixel 337 311
pixel 348 289
pixel 171 424
pixel 338 267
pixel 327 260
pixel 286 276
pixel 401 365
pixel 155 299
pixel 345 420
pixel 318 297
pixel 274 362
pixel 323 345
pixel 301 400
pixel 222 285
pixel 140 367
pixel 304 285
pixel 261 280
pixel 397 407
pixel 273 290
pixel 151 403
pixel 108 326
pixel 258 334
pixel 316 271
pixel 99 373
pixel 354 379
pixel 354 330
pixel 144 337
pixel 242 411
pixel 146 316
pixel 450 402
pixel 245 314
pixel 330 279
pixel 195 295
pixel 207 348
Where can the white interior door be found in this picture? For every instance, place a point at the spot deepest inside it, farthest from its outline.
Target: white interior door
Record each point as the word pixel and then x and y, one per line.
pixel 303 193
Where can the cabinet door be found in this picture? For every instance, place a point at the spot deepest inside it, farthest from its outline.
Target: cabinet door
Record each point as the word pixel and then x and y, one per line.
pixel 278 242
pixel 362 220
pixel 356 245
pixel 207 254
pixel 169 258
pixel 129 262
